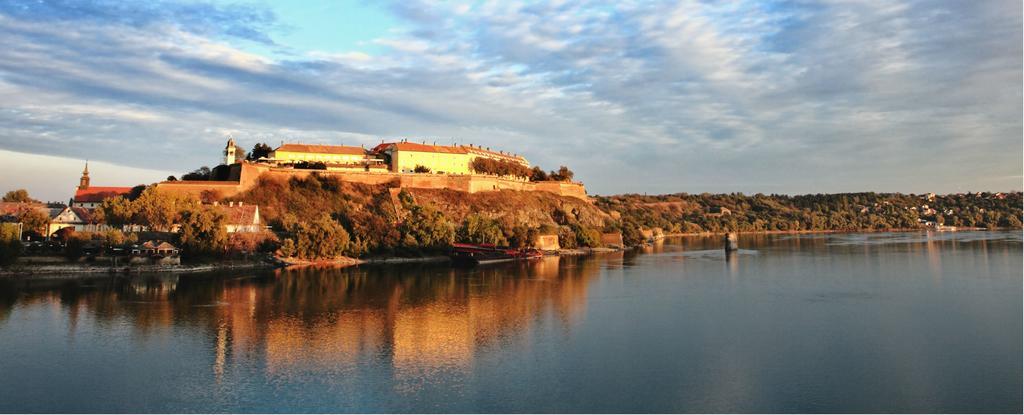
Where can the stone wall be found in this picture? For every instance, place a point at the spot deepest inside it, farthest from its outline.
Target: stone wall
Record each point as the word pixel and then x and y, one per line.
pixel 248 174
pixel 547 243
pixel 613 239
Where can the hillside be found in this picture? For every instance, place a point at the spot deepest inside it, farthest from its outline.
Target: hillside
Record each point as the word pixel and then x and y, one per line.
pixel 371 220
pixel 816 212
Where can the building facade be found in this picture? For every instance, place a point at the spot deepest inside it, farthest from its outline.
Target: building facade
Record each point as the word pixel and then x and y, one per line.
pixel 316 153
pixel 405 156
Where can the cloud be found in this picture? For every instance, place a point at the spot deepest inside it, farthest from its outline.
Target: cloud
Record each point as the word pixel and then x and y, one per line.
pixel 645 97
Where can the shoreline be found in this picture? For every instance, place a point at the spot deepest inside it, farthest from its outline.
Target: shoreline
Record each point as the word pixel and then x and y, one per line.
pixel 958 229
pixel 71 271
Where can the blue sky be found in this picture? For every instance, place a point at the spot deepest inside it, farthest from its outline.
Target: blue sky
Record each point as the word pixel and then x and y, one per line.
pixel 646 97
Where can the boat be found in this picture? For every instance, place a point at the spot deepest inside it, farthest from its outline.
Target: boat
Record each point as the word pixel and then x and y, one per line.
pixel 487 253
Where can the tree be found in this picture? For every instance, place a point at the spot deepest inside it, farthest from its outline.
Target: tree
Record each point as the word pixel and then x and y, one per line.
pixel 158 210
pixel 202 231
pixel 116 211
pixel 240 153
pixel 321 238
pixel 259 151
pixel 537 174
pixel 563 174
pixel 426 227
pixel 20 195
pixel 479 229
pixel 10 246
pixel 34 220
pixel 202 173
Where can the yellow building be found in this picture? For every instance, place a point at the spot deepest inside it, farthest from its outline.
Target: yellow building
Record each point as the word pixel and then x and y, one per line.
pixel 327 154
pixel 404 157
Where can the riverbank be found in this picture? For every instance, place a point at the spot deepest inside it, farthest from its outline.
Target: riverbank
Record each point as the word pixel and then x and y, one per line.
pixel 69 270
pixel 73 270
pixel 817 231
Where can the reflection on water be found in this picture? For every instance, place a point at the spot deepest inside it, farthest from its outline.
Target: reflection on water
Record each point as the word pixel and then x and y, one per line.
pixel 423 319
pixel 894 322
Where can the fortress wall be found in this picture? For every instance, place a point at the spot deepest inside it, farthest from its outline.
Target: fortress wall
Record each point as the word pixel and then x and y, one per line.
pixel 249 173
pixel 195 188
pixel 571 189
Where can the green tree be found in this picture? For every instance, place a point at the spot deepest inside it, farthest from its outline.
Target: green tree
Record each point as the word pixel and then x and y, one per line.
pixel 479 229
pixel 10 246
pixel 202 231
pixel 158 210
pixel 426 227
pixel 116 212
pixel 259 151
pixel 321 238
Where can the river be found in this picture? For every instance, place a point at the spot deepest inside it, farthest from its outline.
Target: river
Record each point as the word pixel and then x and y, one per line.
pixel 883 322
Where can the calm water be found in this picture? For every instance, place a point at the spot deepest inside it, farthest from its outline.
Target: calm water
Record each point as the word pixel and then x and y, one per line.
pixel 853 323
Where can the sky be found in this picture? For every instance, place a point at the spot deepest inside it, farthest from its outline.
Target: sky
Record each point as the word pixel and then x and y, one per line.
pixel 635 97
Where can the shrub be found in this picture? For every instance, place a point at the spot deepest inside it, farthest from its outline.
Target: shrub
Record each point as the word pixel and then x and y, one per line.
pixel 499 167
pixel 202 231
pixel 421 169
pixel 481 230
pixel 585 236
pixel 567 238
pixel 321 238
pixel 10 246
pixel 251 242
pixel 426 228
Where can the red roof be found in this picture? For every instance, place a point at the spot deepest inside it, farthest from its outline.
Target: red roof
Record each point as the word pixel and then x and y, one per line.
pixel 99 194
pixel 15 208
pixel 497 154
pixel 319 148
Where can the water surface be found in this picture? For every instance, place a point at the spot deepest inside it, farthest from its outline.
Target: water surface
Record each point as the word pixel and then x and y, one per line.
pixel 895 322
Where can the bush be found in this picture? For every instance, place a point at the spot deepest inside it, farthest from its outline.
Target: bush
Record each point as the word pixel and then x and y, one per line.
pixel 10 246
pixel 567 238
pixel 322 238
pixel 499 167
pixel 426 228
pixel 202 231
pixel 239 243
pixel 421 169
pixel 585 236
pixel 479 229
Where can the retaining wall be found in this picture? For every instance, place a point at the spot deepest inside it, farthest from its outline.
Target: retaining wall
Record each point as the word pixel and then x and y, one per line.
pixel 248 174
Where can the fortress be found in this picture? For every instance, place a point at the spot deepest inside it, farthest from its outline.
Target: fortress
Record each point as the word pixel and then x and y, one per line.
pixel 400 164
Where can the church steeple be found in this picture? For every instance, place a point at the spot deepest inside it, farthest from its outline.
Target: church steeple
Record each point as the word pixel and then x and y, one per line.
pixel 83 183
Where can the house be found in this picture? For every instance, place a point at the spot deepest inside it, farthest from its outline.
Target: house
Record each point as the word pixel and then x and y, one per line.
pixel 241 217
pixel 90 197
pixel 158 248
pixel 327 154
pixel 405 156
pixel 77 218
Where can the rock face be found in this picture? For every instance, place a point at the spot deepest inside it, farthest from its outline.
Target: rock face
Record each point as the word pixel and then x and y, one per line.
pixel 533 209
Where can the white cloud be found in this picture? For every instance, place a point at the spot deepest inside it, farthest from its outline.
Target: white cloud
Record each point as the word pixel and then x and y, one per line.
pixel 862 96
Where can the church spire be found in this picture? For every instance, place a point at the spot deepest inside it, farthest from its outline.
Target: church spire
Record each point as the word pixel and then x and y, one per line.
pixel 83 183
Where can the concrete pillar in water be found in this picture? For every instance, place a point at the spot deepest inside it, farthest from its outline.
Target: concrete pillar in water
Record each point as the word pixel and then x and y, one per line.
pixel 731 242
